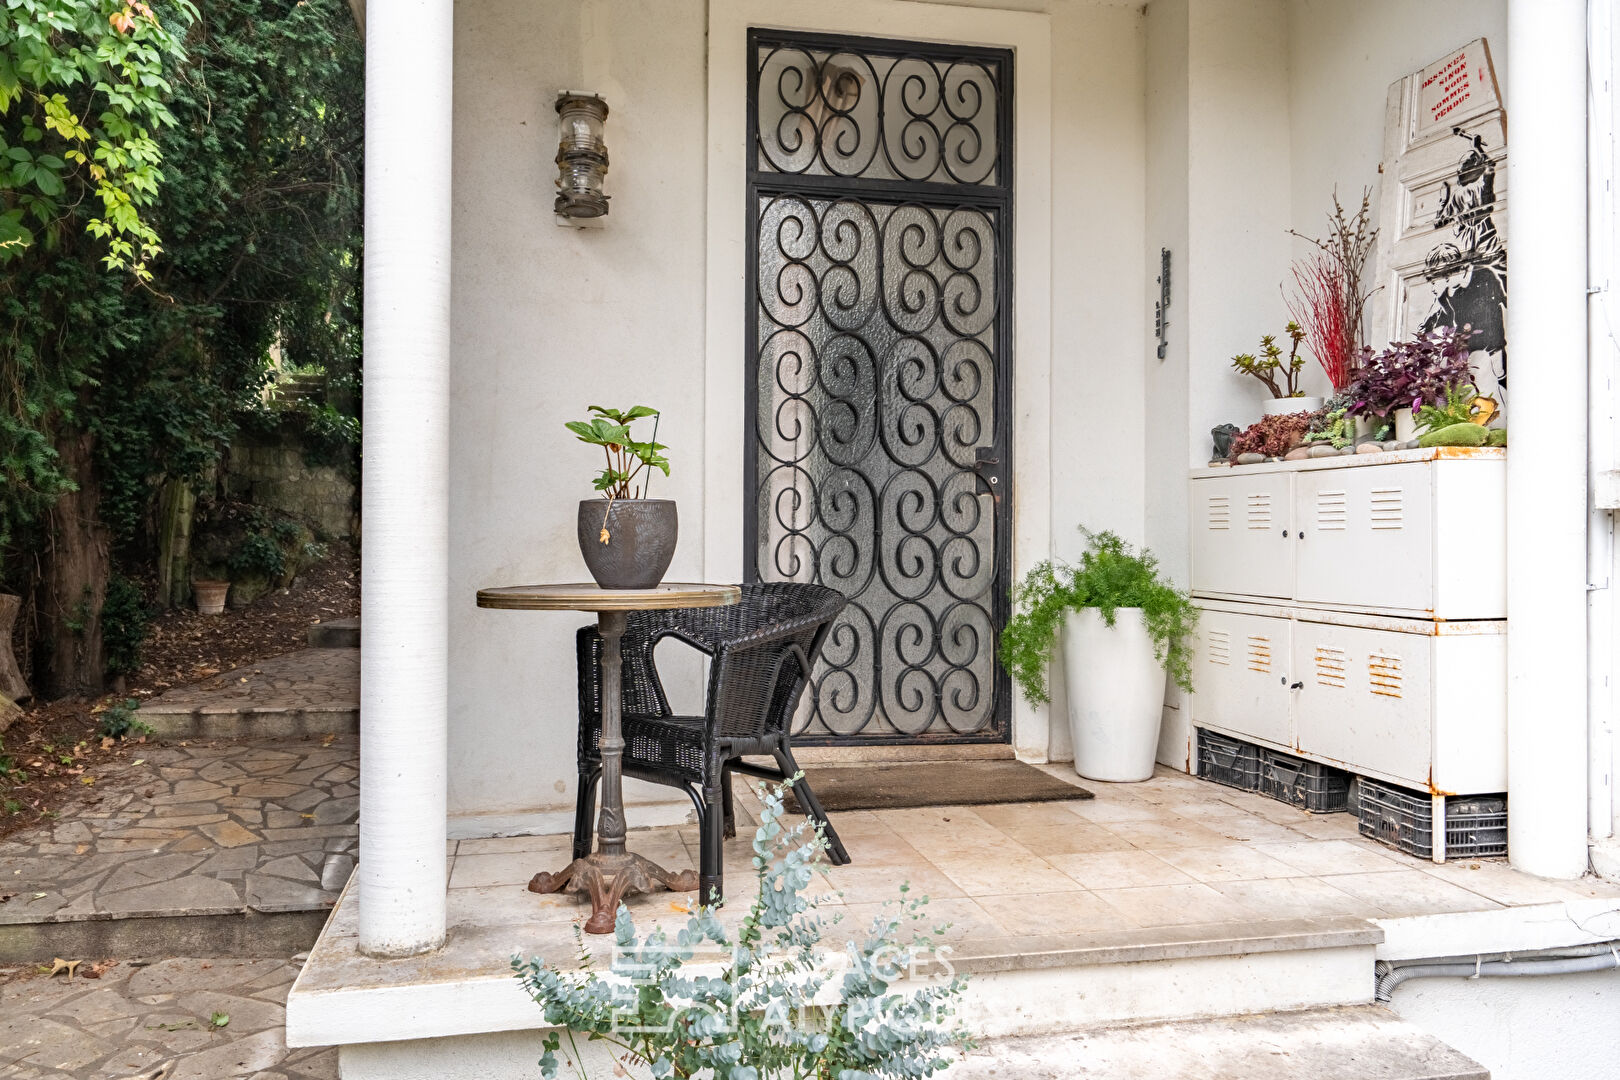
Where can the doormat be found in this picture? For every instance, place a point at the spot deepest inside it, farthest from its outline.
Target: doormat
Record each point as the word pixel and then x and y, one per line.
pixel 935 783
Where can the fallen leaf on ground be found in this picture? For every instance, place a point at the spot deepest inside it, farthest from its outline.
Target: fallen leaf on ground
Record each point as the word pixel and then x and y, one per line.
pixel 219 1019
pixel 59 964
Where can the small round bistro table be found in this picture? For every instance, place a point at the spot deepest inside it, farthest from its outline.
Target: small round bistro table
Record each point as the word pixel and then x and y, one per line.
pixel 610 873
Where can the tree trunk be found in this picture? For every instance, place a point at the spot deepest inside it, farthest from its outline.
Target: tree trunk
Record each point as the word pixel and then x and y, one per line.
pixel 177 505
pixel 11 680
pixel 75 577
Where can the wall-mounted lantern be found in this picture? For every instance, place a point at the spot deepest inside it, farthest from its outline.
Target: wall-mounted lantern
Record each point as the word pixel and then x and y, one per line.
pixel 582 158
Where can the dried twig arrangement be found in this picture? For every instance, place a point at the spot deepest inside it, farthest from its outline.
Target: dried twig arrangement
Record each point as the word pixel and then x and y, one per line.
pixel 1329 299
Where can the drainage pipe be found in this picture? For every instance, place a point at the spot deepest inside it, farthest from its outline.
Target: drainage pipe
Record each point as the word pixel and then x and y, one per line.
pixel 1570 961
pixel 1604 351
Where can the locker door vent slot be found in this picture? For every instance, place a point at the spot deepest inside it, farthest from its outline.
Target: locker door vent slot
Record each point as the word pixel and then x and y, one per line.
pixel 1388 506
pixel 1220 647
pixel 1220 512
pixel 1332 511
pixel 1330 667
pixel 1384 673
pixel 1259 653
pixel 1260 510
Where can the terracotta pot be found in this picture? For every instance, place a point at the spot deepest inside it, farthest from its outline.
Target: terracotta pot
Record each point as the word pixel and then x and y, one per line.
pixel 639 541
pixel 210 596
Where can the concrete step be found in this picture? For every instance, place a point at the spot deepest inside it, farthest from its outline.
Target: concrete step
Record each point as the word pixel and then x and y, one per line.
pixel 308 692
pixel 1354 1043
pixel 335 634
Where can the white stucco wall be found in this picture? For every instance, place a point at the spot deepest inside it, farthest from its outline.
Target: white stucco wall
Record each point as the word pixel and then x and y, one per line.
pixel 1100 326
pixel 548 320
pixel 1344 57
pixel 1524 1028
pixel 1207 126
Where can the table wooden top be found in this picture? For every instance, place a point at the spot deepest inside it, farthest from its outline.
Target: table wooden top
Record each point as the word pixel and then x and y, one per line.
pixel 591 597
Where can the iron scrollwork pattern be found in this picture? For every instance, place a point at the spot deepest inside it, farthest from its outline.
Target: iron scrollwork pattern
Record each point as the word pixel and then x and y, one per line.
pixel 880 343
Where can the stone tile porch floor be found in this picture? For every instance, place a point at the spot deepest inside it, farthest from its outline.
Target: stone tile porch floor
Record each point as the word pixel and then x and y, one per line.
pixel 1161 864
pixel 150 1020
pixel 220 828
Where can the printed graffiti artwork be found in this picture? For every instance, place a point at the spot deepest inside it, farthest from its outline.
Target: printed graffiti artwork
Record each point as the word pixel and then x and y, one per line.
pixel 1469 274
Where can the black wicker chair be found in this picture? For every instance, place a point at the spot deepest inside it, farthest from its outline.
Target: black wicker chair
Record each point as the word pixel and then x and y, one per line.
pixel 761 651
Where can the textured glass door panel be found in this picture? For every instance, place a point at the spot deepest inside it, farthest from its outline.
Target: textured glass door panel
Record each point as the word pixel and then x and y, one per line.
pixel 879 359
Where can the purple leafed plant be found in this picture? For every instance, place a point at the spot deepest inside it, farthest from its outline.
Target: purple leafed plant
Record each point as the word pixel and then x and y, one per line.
pixel 1412 373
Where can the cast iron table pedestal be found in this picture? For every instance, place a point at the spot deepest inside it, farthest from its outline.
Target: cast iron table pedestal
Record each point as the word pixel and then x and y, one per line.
pixel 609 873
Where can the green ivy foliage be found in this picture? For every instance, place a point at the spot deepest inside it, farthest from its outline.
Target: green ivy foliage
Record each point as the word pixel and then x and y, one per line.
pixel 258 124
pixel 1111 575
pixel 83 89
pixel 125 615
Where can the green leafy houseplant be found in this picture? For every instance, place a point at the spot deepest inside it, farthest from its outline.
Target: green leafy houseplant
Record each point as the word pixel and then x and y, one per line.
pixel 765 1002
pixel 1111 575
pixel 626 458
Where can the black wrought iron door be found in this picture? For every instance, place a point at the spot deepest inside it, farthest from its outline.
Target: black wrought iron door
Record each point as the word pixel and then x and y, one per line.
pixel 880 360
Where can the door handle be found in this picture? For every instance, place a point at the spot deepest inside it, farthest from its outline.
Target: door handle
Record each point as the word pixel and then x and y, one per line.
pixel 989 473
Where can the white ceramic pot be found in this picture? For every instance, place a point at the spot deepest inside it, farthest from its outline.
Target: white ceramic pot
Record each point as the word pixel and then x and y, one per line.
pixel 1282 406
pixel 1116 695
pixel 1405 426
pixel 1364 424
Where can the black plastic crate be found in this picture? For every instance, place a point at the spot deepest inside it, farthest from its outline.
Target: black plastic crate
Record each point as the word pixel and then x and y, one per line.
pixel 1228 761
pixel 1309 785
pixel 1476 825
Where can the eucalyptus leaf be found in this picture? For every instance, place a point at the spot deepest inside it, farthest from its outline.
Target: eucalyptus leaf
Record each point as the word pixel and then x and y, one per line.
pixel 771 1011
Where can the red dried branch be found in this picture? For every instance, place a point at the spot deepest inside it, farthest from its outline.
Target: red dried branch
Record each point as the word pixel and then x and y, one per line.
pixel 1318 305
pixel 1330 302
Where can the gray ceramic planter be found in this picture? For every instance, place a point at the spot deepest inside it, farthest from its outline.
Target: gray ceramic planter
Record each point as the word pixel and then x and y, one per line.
pixel 641 541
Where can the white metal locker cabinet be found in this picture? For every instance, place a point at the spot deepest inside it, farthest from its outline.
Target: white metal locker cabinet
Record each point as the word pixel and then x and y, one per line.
pixel 1470 542
pixel 1365 699
pixel 1239 669
pixel 1242 540
pixel 1366 537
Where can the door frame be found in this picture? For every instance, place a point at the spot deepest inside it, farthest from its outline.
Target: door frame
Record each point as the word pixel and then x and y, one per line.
pixel 1028 35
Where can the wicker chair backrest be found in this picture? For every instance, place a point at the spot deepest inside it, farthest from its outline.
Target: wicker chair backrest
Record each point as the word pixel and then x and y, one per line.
pixel 760 646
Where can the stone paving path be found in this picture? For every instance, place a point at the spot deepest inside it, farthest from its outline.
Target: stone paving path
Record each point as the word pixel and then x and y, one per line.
pixel 207 829
pixel 152 1021
pixel 311 691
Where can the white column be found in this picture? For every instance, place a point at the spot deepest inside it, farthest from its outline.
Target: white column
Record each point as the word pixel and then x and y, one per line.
pixel 405 490
pixel 1546 459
